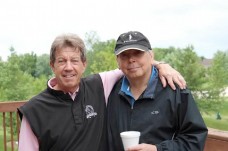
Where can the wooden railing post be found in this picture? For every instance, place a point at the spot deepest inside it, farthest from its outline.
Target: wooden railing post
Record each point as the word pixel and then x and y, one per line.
pixel 4 130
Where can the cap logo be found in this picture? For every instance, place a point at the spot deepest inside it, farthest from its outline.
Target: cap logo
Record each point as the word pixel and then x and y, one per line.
pixel 129 39
pixel 130 36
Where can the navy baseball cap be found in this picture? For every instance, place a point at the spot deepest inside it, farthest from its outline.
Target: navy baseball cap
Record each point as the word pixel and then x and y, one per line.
pixel 132 40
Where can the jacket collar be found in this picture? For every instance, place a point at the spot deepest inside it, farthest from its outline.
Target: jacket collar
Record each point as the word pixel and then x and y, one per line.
pixel 150 90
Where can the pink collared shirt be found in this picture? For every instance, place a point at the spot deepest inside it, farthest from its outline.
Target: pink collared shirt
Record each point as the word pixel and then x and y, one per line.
pixel 29 142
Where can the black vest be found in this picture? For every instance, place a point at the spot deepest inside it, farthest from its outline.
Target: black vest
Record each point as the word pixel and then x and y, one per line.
pixel 61 124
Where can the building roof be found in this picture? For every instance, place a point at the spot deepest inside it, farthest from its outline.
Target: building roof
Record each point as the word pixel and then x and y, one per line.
pixel 207 62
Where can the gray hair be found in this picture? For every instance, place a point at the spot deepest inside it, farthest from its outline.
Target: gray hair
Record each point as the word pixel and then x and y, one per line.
pixel 68 40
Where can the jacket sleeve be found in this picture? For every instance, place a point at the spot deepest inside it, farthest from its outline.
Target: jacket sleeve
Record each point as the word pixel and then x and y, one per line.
pixel 191 130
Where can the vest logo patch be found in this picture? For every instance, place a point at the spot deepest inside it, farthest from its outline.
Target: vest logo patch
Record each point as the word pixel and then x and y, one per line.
pixel 90 111
pixel 154 112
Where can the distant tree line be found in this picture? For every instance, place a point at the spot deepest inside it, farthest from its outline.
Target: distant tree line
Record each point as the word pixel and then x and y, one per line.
pixel 23 76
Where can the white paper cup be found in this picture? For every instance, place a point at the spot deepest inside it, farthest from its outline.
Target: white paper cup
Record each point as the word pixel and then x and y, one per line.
pixel 130 138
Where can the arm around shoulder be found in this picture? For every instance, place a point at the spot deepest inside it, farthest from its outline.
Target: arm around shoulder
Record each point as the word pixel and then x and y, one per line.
pixel 169 75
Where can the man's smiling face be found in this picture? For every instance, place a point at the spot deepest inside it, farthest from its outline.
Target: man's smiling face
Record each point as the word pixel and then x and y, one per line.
pixel 68 68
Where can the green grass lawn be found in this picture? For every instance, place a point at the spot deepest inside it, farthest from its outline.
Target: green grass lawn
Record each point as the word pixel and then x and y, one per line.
pixel 211 121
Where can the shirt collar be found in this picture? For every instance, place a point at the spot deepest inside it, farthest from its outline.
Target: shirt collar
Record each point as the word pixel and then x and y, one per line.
pixel 149 92
pixel 52 82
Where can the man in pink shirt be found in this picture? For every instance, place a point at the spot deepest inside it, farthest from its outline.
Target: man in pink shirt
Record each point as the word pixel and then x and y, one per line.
pixel 70 114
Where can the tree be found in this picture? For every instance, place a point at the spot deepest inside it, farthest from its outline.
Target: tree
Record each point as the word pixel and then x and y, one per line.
pixel 16 81
pixel 42 66
pixel 3 95
pixel 218 72
pixel 189 65
pixel 217 75
pixel 161 53
pixel 26 62
pixel 102 61
pixel 100 56
pixel 15 85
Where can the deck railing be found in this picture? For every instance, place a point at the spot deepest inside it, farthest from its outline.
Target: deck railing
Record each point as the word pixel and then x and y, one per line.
pixel 216 141
pixel 10 124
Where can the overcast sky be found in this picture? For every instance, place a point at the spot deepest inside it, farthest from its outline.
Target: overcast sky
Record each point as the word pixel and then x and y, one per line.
pixel 30 25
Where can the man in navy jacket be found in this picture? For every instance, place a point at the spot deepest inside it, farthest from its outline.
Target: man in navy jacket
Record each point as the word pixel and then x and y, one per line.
pixel 168 120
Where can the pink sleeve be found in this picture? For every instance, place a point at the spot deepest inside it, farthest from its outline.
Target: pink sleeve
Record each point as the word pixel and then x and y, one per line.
pixel 27 139
pixel 109 79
